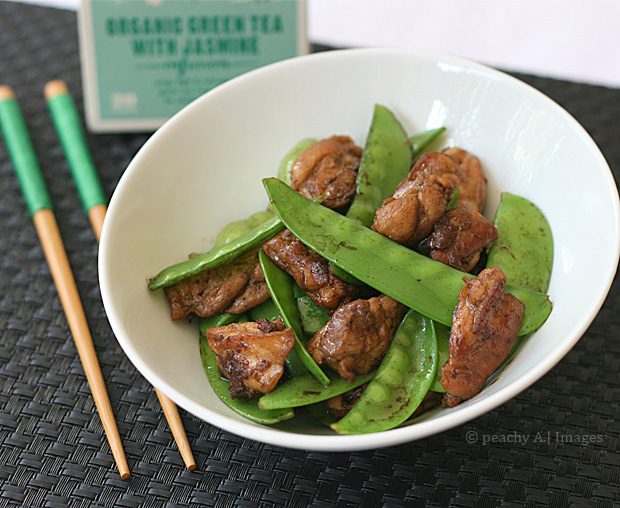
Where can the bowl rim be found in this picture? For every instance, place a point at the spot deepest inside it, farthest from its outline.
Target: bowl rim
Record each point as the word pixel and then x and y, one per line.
pixel 336 442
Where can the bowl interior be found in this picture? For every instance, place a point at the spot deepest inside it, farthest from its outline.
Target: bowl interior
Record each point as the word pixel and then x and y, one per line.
pixel 203 168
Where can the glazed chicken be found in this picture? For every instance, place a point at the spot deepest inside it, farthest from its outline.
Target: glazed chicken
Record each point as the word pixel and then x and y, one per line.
pixel 328 168
pixel 408 215
pixel 473 187
pixel 357 336
pixel 459 238
pixel 232 288
pixel 310 271
pixel 251 355
pixel 254 293
pixel 485 325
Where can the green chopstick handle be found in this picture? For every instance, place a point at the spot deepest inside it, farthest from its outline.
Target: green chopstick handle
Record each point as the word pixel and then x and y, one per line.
pixel 69 128
pixel 22 153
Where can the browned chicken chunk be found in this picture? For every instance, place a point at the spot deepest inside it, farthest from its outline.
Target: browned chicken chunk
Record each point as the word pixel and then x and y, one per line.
pixel 232 287
pixel 254 293
pixel 473 187
pixel 328 168
pixel 485 326
pixel 357 336
pixel 310 271
pixel 409 214
pixel 251 355
pixel 459 238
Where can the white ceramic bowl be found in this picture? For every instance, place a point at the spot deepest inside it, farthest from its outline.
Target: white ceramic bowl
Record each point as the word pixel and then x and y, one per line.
pixel 203 168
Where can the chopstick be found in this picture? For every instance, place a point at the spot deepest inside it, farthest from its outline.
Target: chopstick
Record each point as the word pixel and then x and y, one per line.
pixel 39 204
pixel 69 128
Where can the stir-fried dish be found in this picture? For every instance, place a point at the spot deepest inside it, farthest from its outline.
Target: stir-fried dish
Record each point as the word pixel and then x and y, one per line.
pixel 372 290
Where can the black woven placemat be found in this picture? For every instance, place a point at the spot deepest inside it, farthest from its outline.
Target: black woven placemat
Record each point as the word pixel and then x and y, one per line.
pixel 53 452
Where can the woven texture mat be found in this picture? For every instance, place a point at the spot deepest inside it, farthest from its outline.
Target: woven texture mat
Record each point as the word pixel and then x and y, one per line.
pixel 53 452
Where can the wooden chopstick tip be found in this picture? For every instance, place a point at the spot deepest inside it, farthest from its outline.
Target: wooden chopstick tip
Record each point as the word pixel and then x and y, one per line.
pixel 54 88
pixel 6 92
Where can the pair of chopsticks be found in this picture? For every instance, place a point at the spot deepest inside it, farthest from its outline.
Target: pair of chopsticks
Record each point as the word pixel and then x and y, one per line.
pixel 21 151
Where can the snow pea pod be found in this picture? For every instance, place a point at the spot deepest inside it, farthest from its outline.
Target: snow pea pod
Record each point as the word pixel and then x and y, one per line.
pixel 443 340
pixel 281 288
pixel 420 283
pixel 305 390
pixel 421 141
pixel 267 310
pixel 312 317
pixel 320 412
pixel 217 256
pixel 455 197
pixel 402 380
pixel 222 320
pixel 245 407
pixel 386 160
pixel 524 247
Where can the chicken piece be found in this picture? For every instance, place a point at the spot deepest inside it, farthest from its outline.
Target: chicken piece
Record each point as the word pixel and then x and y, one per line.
pixel 251 355
pixel 459 238
pixel 485 325
pixel 340 405
pixel 217 290
pixel 255 292
pixel 473 187
pixel 357 336
pixel 310 271
pixel 328 168
pixel 409 214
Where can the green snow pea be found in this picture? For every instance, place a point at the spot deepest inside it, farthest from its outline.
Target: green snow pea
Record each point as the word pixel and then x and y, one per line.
pixel 420 142
pixel 443 340
pixel 312 316
pixel 524 247
pixel 418 282
pixel 320 412
pixel 267 310
pixel 286 165
pixel 305 390
pixel 245 407
pixel 402 380
pixel 222 320
pixel 386 160
pixel 217 256
pixel 455 197
pixel 281 288
pixel 235 229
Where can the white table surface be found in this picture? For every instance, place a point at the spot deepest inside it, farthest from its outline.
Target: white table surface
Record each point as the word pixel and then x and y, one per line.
pixel 576 40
